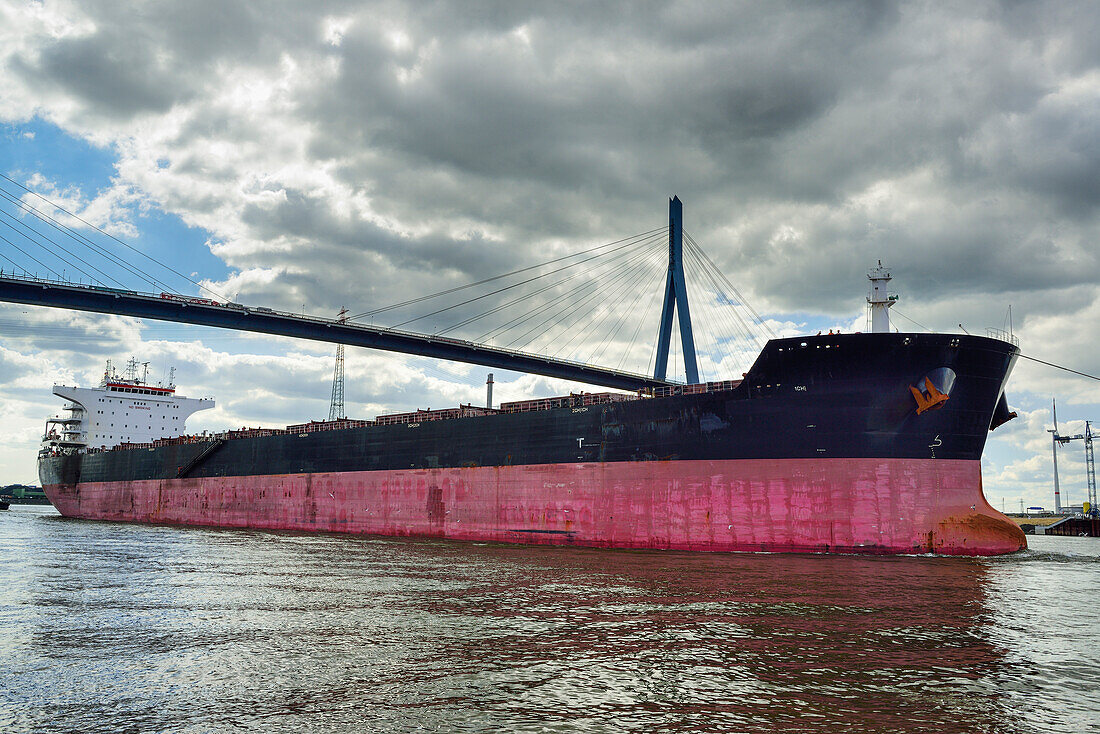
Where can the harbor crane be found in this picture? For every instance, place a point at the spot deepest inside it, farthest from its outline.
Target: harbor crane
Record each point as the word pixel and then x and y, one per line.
pixel 1090 460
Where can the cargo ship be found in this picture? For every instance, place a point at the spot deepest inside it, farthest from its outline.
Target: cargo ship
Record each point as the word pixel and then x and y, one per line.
pixel 838 443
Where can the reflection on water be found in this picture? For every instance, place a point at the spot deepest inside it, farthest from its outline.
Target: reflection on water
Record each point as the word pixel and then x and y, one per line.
pixel 113 627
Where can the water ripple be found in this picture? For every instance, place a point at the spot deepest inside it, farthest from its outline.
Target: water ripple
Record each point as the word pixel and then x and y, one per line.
pixel 113 627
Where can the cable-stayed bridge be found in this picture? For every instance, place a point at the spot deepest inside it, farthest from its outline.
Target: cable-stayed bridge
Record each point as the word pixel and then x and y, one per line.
pixel 549 301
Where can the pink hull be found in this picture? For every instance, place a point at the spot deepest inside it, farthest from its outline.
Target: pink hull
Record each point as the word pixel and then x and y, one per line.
pixel 793 505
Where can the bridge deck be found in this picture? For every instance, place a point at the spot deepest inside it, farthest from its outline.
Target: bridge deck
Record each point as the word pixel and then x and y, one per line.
pixel 204 312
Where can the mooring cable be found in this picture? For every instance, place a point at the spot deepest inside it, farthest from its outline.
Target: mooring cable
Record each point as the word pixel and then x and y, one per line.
pixel 1058 366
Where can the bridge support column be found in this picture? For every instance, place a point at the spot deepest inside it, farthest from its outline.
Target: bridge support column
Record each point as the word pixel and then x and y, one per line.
pixel 676 299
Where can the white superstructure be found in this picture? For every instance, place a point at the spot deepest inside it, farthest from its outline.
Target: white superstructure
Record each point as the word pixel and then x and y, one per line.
pixel 123 409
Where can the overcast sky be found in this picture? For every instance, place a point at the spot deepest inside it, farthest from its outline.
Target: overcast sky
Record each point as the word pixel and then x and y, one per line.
pixel 345 153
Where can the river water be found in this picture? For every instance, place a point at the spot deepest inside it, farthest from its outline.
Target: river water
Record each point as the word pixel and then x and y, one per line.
pixel 118 628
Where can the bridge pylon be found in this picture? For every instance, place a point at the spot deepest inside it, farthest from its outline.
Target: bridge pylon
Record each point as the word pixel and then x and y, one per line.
pixel 676 299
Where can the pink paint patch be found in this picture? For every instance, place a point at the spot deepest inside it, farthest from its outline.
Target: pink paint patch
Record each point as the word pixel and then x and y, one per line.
pixel 793 505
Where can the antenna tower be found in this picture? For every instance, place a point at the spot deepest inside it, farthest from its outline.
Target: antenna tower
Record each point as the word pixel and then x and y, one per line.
pixel 336 407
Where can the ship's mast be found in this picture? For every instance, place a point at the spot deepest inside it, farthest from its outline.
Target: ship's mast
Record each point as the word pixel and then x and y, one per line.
pixel 880 300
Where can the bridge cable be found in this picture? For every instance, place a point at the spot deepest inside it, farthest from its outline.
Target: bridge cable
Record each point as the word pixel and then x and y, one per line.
pixel 645 274
pixel 81 240
pixel 732 287
pixel 552 326
pixel 711 285
pixel 577 303
pixel 505 288
pixel 624 317
pixel 730 315
pixel 587 322
pixel 706 339
pixel 383 309
pixel 706 282
pixel 32 257
pixel 521 318
pixel 513 323
pixel 559 326
pixel 644 318
pixel 729 335
pixel 16 265
pixel 719 279
pixel 709 342
pixel 526 316
pixel 112 237
pixel 64 262
pixel 60 247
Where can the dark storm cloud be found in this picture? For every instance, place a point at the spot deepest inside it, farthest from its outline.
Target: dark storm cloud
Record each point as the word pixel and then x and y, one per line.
pixel 806 141
pixel 1052 153
pixel 147 57
pixel 755 109
pixel 110 75
pixel 569 107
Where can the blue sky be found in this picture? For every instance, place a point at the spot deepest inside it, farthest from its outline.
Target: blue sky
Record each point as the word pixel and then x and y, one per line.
pixel 339 155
